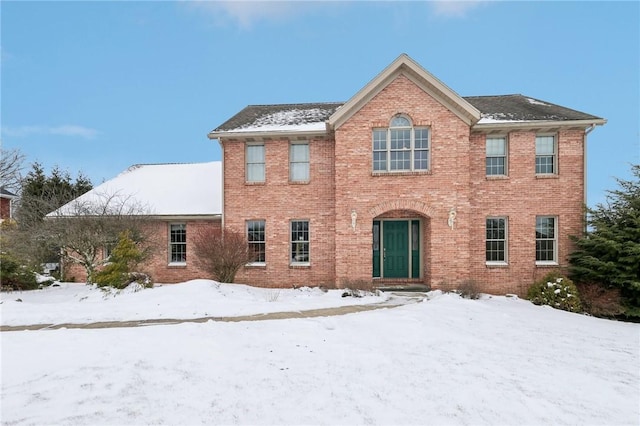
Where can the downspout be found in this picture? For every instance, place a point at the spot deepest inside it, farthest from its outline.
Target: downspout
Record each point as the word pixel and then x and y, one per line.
pixel 584 173
pixel 222 183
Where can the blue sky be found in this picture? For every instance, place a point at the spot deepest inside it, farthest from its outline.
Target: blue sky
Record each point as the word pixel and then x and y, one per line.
pixel 99 86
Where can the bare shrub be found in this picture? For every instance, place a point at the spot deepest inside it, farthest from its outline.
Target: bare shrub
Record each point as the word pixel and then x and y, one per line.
pixel 221 253
pixel 358 288
pixel 600 301
pixel 469 289
pixel 272 295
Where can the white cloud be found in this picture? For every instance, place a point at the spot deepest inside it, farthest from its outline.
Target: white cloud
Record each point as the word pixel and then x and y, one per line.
pixel 454 8
pixel 245 13
pixel 64 130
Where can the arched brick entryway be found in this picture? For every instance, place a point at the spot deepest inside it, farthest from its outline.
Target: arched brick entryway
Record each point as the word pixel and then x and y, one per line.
pixel 400 241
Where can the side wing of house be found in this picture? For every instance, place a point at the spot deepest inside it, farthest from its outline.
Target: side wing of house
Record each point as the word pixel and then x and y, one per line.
pixel 173 203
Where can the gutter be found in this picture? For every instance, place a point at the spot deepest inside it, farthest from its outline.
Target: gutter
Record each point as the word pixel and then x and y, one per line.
pixel 221 179
pixel 512 125
pixel 265 134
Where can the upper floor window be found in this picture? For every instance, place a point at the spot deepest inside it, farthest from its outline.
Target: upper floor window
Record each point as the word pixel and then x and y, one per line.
pixel 496 240
pixel 256 239
pixel 401 147
pixel 546 240
pixel 254 157
pixel 546 152
pixel 299 162
pixel 496 156
pixel 177 243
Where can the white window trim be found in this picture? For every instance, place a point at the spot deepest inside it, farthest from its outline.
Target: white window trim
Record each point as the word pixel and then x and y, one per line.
pixel 555 154
pixel 553 262
pixel 504 262
pixel 412 148
pixel 294 262
pixel 265 241
pixel 506 155
pixel 246 162
pixel 308 162
pixel 171 263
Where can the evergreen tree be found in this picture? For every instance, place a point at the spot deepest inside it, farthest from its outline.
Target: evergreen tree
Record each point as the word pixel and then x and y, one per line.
pixel 123 261
pixel 42 194
pixel 609 252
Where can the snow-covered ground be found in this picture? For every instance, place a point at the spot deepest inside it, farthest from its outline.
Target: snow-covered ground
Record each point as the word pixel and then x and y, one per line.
pixel 79 303
pixel 446 360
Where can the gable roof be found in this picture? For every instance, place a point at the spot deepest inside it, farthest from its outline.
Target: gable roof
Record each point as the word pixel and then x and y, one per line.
pixel 186 189
pixel 406 66
pixel 484 113
pixel 495 111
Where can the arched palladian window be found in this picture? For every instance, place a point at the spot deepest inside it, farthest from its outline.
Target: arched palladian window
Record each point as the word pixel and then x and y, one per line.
pixel 401 147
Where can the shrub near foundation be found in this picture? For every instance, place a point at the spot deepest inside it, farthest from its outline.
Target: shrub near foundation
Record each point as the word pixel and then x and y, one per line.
pixel 120 272
pixel 557 291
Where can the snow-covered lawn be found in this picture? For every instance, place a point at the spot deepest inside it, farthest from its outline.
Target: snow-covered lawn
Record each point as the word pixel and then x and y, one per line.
pixel 445 360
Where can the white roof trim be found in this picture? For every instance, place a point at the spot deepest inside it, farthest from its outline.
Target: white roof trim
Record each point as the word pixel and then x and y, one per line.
pixel 535 124
pixel 406 66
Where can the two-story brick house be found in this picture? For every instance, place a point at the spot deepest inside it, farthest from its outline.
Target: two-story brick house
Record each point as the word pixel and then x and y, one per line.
pixel 406 182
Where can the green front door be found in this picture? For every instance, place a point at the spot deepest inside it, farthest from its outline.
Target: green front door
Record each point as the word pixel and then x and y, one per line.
pixel 395 252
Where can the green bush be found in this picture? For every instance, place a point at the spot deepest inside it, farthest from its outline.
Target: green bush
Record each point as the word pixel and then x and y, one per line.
pixel 557 291
pixel 14 276
pixel 118 273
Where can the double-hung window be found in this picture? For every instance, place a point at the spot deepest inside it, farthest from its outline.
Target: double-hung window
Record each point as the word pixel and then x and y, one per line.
pixel 496 156
pixel 401 147
pixel 254 167
pixel 256 239
pixel 546 240
pixel 299 162
pixel 300 242
pixel 546 153
pixel 177 243
pixel 496 240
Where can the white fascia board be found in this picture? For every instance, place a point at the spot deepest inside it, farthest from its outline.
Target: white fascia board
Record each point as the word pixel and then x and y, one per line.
pixel 266 134
pixel 528 125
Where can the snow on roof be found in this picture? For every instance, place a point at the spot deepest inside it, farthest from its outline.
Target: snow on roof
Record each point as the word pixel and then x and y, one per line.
pixel 311 117
pixel 280 118
pixel 160 189
pixel 521 109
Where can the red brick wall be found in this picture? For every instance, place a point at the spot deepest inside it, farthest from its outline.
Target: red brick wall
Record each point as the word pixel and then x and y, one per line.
pixel 433 194
pixel 521 197
pixel 342 181
pixel 5 208
pixel 278 202
pixel 157 265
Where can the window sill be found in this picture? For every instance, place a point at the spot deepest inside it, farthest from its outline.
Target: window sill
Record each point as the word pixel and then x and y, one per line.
pixel 300 265
pixel 548 176
pixel 496 264
pixel 254 183
pixel 299 182
pixel 497 177
pixel 401 173
pixel 546 263
pixel 177 265
pixel 256 265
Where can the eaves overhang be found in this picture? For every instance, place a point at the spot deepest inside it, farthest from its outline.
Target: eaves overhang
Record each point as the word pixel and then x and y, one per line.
pixel 540 125
pixel 267 134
